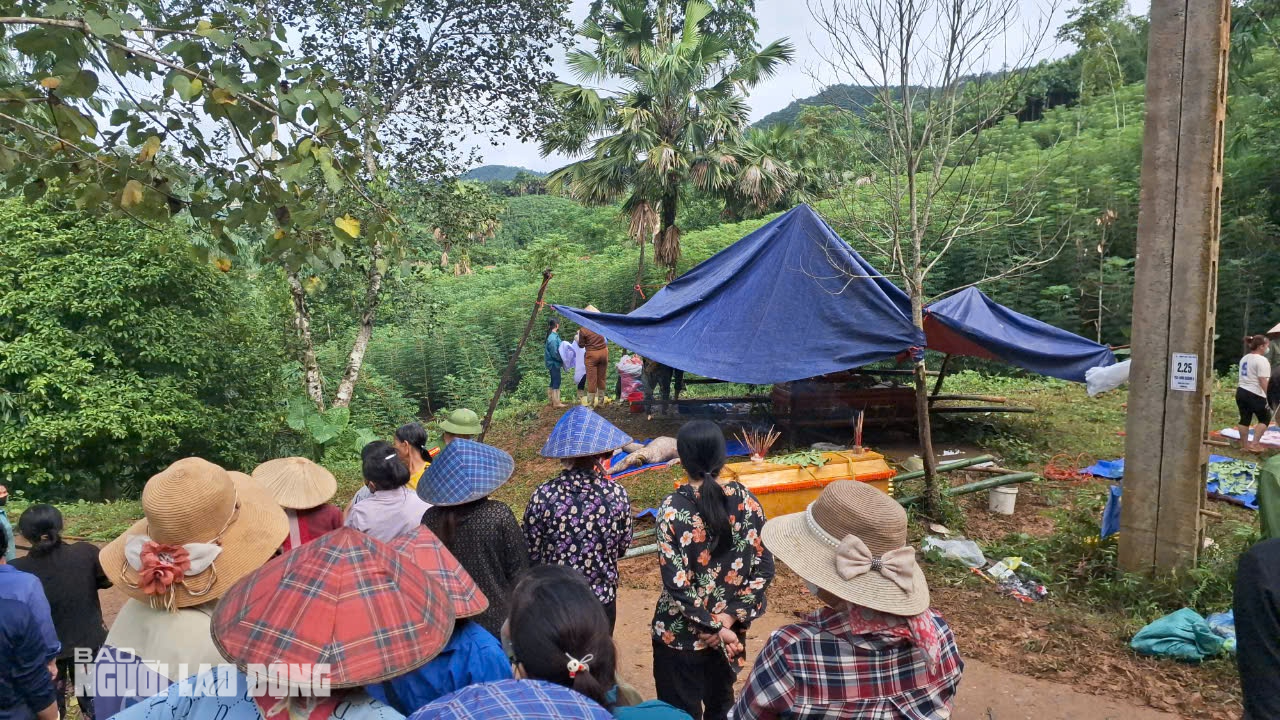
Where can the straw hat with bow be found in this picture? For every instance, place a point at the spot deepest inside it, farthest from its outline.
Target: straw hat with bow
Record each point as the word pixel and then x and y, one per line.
pixel 852 542
pixel 204 530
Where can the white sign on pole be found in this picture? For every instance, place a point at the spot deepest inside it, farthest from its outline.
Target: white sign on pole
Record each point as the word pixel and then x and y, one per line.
pixel 1186 372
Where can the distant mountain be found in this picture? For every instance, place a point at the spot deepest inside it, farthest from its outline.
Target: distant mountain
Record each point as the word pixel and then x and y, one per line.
pixel 849 97
pixel 497 173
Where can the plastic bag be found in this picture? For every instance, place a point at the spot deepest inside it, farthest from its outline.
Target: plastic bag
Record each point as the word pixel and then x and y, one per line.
pixel 966 551
pixel 1101 379
pixel 1223 625
pixel 630 365
pixel 1182 635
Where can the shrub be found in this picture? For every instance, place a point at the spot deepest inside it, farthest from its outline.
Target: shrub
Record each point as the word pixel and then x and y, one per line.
pixel 120 353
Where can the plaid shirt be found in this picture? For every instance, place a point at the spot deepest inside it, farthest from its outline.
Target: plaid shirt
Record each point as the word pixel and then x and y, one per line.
pixel 818 668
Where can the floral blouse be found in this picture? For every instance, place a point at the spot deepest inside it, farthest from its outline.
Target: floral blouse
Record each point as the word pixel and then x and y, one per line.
pixel 697 586
pixel 580 519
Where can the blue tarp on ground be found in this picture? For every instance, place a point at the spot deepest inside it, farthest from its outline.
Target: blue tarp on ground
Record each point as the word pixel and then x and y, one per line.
pixel 789 301
pixel 970 323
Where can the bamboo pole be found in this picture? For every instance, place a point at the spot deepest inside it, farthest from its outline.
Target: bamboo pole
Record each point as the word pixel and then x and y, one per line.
pixel 974 487
pixel 515 357
pixel 946 467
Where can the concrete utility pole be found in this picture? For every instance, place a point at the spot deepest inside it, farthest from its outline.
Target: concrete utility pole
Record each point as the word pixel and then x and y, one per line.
pixel 1176 285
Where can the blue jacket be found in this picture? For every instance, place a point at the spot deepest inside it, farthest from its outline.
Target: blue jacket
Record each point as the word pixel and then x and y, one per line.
pixel 473 655
pixel 26 687
pixel 551 350
pixel 10 550
pixel 26 588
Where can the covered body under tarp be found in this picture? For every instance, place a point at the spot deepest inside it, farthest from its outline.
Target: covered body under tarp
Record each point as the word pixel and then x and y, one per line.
pixel 970 323
pixel 791 300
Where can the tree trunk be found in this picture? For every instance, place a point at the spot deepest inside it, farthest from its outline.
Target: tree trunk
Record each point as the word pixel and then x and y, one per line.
pixel 669 205
pixel 635 295
pixel 355 360
pixel 302 322
pixel 932 491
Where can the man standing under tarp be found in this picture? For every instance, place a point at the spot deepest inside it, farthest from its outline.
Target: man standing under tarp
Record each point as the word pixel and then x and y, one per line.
pixel 659 376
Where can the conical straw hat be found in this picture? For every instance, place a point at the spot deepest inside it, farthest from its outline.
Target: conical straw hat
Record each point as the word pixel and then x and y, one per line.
pixel 296 483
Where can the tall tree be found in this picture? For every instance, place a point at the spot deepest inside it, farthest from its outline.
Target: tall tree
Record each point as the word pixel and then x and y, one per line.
pixel 421 73
pixel 680 104
pixel 926 61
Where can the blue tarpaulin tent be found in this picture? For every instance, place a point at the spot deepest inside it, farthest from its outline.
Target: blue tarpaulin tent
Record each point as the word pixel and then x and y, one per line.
pixel 970 323
pixel 789 301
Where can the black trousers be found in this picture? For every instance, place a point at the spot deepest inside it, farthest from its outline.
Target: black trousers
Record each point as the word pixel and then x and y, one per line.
pixel 611 612
pixel 698 682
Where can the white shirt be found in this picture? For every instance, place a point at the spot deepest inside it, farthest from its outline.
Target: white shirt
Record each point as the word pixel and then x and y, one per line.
pixel 1252 369
pixel 388 513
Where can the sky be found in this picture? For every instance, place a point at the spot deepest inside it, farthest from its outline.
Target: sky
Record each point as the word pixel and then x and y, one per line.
pixel 791 19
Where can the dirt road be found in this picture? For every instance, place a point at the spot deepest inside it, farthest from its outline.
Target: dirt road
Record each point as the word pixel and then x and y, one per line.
pixel 986 693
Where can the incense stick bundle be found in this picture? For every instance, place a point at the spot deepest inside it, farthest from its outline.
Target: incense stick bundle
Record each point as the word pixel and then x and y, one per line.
pixel 758 442
pixel 857 431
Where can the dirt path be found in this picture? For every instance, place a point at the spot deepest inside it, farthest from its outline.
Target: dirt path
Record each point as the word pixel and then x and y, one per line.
pixel 986 692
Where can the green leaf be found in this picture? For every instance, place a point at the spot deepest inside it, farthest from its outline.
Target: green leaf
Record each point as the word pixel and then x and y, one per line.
pixel 101 26
pixel 331 178
pixel 364 436
pixel 299 410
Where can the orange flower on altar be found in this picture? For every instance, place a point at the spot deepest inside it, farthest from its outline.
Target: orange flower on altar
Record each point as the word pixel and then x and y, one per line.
pixel 162 566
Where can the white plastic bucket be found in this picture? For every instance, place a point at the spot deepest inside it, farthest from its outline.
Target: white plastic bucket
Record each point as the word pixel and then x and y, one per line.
pixel 1002 499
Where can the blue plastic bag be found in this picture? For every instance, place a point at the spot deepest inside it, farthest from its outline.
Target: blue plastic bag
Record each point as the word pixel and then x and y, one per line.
pixel 1111 513
pixel 1182 635
pixel 1223 625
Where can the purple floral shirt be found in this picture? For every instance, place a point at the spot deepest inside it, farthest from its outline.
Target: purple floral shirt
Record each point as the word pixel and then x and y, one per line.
pixel 582 520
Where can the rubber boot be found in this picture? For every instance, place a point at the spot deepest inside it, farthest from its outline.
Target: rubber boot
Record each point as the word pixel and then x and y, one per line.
pixel 556 401
pixel 551 397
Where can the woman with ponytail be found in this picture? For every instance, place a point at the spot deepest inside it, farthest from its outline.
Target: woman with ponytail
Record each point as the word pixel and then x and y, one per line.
pixel 71 576
pixel 715 570
pixel 1251 392
pixel 558 633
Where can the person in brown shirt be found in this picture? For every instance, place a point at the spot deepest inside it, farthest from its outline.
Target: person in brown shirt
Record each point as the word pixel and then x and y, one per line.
pixel 597 361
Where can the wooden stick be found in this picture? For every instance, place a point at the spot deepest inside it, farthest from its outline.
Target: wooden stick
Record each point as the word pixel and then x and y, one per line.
pixel 515 357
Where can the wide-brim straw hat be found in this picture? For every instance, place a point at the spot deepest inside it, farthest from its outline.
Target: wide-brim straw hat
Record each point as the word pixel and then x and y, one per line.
pixel 580 432
pixel 462 422
pixel 194 501
pixel 465 471
pixel 513 700
pixel 1274 331
pixel 591 308
pixel 296 482
pixel 345 600
pixel 816 544
pixel 425 550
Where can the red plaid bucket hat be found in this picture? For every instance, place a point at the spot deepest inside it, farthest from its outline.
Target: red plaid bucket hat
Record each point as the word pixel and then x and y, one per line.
pixel 425 550
pixel 345 600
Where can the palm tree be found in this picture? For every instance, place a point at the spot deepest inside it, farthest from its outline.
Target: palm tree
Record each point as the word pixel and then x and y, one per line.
pixel 679 109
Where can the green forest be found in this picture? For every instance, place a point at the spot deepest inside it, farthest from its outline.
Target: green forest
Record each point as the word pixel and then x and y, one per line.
pixel 163 295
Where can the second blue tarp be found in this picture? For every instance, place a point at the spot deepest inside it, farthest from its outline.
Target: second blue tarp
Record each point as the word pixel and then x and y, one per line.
pixel 1228 479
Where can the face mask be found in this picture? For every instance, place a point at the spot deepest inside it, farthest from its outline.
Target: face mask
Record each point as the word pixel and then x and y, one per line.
pixel 813 589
